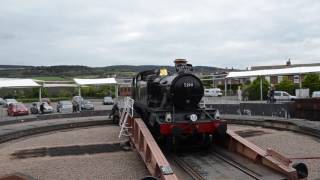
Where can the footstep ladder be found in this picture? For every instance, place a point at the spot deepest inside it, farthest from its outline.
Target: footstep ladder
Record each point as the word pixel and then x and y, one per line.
pixel 126 112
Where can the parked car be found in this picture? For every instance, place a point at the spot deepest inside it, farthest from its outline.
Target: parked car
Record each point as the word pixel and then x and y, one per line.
pixel 283 96
pixel 87 105
pixel 64 106
pixel 2 101
pixel 316 94
pixel 47 100
pixel 16 109
pixel 35 108
pixel 108 100
pixel 214 92
pixel 10 101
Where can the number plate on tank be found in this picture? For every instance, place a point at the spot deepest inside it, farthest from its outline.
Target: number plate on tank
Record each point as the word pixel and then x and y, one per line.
pixel 186 85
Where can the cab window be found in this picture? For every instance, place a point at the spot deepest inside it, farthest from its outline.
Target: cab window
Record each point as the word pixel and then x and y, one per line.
pixel 277 94
pixel 285 94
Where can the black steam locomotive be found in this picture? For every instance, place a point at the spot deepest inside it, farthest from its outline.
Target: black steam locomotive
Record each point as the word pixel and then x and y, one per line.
pixel 169 104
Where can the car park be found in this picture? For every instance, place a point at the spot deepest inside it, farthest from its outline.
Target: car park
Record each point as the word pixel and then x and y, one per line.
pixel 10 101
pixel 108 100
pixel 77 99
pixel 316 94
pixel 214 92
pixel 47 100
pixel 2 101
pixel 35 108
pixel 16 109
pixel 283 96
pixel 64 106
pixel 77 102
pixel 87 105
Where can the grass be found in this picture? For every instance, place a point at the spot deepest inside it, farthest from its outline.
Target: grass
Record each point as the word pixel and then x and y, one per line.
pixel 57 78
pixel 51 78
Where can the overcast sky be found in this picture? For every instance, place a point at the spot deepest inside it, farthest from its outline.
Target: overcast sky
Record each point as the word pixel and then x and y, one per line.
pixel 223 33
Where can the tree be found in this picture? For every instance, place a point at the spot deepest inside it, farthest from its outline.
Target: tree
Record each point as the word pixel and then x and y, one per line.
pixel 207 82
pixel 64 93
pixel 254 89
pixel 311 81
pixel 286 85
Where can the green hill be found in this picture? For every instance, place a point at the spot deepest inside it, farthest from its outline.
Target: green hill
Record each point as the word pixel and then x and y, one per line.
pixel 66 72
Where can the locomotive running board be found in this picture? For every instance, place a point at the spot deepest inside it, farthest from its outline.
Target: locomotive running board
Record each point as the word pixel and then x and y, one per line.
pixel 268 158
pixel 154 159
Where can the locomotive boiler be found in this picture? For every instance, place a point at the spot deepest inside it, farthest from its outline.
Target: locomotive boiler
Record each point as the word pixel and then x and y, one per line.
pixel 169 105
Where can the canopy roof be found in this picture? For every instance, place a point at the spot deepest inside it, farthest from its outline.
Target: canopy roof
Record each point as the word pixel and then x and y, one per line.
pixel 101 81
pixel 59 85
pixel 17 83
pixel 270 72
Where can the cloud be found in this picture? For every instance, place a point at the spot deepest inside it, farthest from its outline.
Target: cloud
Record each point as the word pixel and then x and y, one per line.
pixel 225 33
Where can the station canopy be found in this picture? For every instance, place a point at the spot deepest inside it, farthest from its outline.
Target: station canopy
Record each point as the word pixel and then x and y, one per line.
pixel 17 83
pixel 101 81
pixel 59 85
pixel 274 72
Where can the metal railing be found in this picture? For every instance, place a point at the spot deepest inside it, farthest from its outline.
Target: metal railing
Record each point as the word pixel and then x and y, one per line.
pixel 124 115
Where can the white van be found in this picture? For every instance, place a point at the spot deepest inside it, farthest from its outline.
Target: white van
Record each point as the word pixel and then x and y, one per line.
pixel 316 94
pixel 214 92
pixel 283 96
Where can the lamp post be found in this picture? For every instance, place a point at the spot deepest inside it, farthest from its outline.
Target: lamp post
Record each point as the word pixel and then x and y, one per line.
pixel 40 94
pixel 225 87
pixel 79 89
pixel 261 94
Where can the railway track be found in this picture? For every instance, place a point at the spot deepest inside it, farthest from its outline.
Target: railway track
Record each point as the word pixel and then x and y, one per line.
pixel 187 168
pixel 238 166
pixel 214 165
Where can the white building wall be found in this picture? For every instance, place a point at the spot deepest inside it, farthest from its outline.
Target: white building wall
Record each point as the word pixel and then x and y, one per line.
pixel 267 78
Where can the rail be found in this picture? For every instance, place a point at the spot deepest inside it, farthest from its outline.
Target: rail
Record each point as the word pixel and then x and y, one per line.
pixel 234 164
pixel 187 168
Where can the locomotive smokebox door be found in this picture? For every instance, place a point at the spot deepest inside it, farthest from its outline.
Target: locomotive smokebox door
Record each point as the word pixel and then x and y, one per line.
pixel 187 91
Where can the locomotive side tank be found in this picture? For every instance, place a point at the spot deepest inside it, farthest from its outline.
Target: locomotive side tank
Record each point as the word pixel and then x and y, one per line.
pixel 169 104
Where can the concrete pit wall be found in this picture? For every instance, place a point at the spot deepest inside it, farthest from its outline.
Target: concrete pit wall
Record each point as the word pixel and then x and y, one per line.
pixel 254 109
pixel 302 109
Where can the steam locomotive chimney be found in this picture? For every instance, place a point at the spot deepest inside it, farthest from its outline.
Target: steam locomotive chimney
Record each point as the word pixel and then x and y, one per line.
pixel 180 61
pixel 181 65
